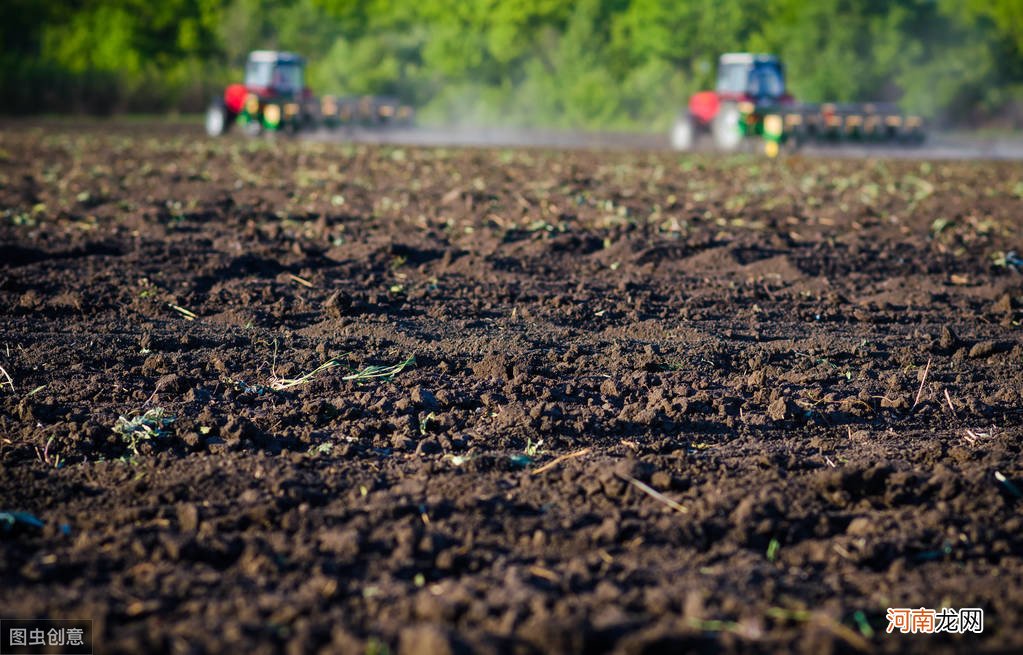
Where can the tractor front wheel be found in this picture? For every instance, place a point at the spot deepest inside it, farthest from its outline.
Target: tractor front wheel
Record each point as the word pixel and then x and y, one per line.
pixel 726 129
pixel 218 118
pixel 253 127
pixel 683 132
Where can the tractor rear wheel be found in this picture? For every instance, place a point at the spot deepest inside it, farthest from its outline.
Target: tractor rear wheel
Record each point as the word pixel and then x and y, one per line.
pixel 218 119
pixel 727 135
pixel 253 127
pixel 683 132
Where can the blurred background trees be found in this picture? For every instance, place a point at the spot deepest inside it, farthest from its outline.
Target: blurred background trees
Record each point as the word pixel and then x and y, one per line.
pixel 621 64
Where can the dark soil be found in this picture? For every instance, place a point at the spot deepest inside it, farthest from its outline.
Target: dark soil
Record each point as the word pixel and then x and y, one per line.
pixel 817 363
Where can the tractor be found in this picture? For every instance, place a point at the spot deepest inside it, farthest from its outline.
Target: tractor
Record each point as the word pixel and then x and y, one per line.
pixel 274 98
pixel 750 102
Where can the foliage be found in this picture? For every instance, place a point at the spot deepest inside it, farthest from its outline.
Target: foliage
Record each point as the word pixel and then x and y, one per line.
pixel 585 63
pixel 140 428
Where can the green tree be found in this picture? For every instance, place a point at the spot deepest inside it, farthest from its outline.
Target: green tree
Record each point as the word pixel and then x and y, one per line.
pixel 591 63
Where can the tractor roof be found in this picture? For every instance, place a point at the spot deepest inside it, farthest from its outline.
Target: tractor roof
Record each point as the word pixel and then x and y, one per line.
pixel 747 58
pixel 275 56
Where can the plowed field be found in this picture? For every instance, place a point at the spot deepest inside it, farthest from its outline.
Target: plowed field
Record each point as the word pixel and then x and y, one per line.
pixel 274 396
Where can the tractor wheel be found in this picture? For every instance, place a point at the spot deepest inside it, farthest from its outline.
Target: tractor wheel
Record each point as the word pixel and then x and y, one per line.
pixel 218 119
pixel 683 132
pixel 725 128
pixel 253 127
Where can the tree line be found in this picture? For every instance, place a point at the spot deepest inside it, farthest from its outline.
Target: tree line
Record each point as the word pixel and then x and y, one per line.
pixel 622 64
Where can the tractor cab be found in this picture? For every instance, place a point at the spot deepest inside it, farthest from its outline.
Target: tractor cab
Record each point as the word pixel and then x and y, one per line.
pixel 275 74
pixel 750 77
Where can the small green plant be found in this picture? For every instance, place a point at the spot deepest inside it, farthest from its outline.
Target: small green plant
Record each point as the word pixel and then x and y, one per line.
pixel 941 224
pixel 136 430
pixel 863 624
pixel 372 372
pixel 1007 260
pixel 23 218
pixel 282 384
pixel 375 372
pixel 533 447
pixel 772 550
pixel 146 288
pixel 377 647
pixel 46 457
pixel 424 423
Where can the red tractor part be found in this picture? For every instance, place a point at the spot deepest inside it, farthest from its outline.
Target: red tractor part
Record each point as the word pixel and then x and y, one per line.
pixel 703 106
pixel 234 97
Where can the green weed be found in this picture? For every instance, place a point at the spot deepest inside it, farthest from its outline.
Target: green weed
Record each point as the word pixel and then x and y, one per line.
pixel 533 448
pixel 372 372
pixel 136 430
